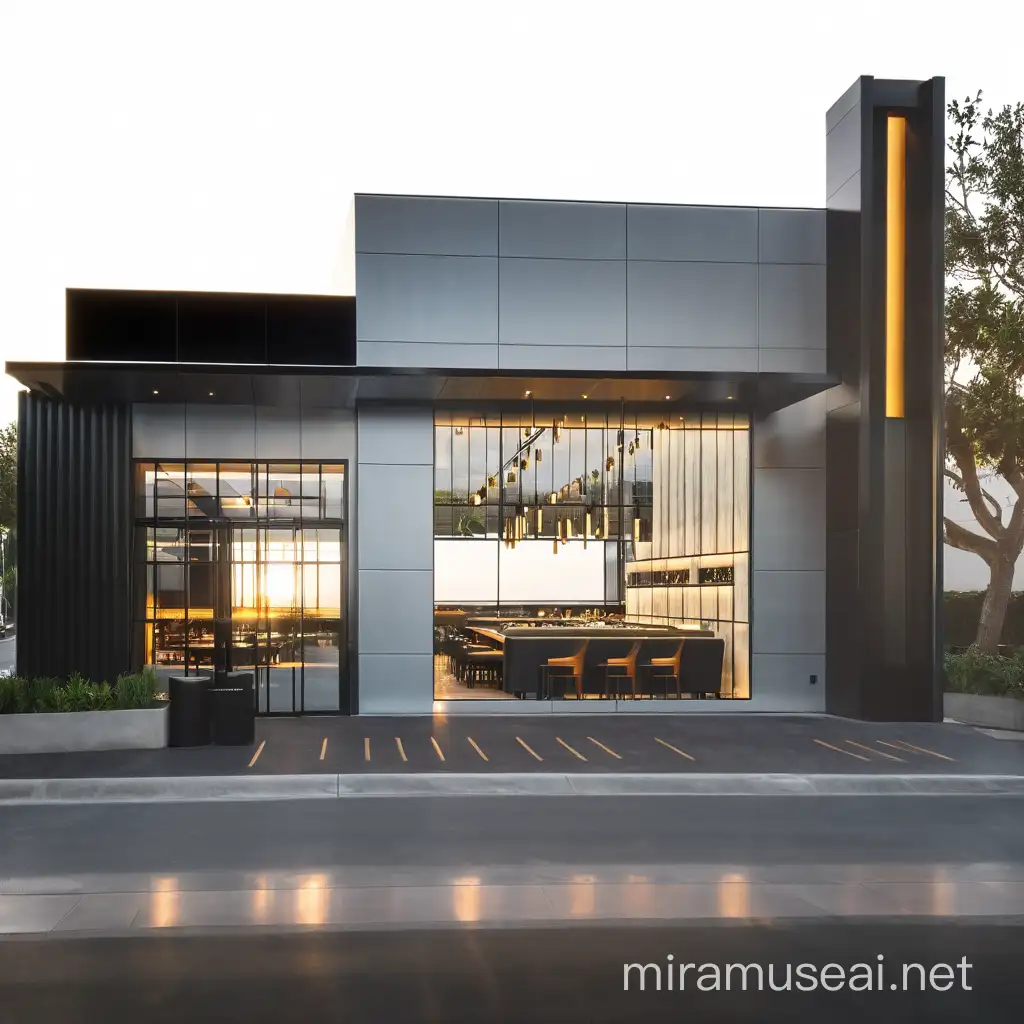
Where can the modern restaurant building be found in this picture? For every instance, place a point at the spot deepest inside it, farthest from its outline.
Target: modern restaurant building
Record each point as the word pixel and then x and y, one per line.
pixel 552 456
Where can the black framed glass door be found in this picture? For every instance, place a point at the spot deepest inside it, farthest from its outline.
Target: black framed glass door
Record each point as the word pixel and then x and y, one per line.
pixel 243 567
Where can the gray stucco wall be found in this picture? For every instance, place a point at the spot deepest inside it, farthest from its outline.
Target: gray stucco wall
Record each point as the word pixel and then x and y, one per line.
pixel 514 284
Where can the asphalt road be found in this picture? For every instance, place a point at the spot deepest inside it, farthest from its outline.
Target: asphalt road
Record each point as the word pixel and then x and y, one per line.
pixel 474 831
pixel 519 975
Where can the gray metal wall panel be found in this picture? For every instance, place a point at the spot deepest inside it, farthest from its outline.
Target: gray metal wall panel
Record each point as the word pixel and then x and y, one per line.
pixel 789 519
pixel 220 432
pixel 729 360
pixel 702 233
pixel 588 231
pixel 692 305
pixel 446 299
pixel 791 236
pixel 792 360
pixel 396 612
pixel 329 434
pixel 562 302
pixel 433 356
pixel 396 553
pixel 561 357
pixel 158 431
pixel 396 684
pixel 791 306
pixel 396 517
pixel 416 224
pixel 397 437
pixel 782 682
pixel 278 433
pixel 842 151
pixel 788 611
pixel 792 438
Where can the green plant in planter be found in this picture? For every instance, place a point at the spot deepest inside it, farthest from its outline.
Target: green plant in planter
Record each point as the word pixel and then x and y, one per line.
pixel 135 690
pixel 13 691
pixel 974 671
pixel 40 694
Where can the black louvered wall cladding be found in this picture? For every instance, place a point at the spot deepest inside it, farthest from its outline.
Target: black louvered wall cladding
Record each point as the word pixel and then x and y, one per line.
pixel 74 538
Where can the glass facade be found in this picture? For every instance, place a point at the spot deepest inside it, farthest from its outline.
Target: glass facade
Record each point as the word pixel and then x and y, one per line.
pixel 244 564
pixel 590 518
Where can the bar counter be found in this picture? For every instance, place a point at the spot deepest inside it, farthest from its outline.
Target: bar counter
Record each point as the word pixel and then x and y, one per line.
pixel 527 648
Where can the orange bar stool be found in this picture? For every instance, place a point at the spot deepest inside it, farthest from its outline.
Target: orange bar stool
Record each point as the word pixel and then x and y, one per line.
pixel 569 667
pixel 618 669
pixel 672 664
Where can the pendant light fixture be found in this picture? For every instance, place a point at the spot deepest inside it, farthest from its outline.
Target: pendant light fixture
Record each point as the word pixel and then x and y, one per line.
pixel 540 519
pixel 557 431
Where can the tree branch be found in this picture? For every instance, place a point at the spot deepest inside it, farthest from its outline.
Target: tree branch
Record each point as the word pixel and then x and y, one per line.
pixel 966 540
pixel 997 509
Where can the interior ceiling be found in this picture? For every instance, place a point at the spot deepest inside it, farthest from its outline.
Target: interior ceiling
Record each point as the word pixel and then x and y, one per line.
pixel 346 387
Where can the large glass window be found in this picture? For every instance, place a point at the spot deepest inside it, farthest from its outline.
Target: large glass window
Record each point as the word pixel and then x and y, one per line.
pixel 602 520
pixel 250 556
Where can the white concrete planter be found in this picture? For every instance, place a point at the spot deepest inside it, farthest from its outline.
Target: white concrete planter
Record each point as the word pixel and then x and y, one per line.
pixel 40 733
pixel 991 712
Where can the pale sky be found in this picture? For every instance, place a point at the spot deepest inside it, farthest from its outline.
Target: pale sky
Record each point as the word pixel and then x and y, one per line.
pixel 216 145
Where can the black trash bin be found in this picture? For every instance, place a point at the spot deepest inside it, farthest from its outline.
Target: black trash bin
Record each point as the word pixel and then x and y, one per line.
pixel 233 708
pixel 189 722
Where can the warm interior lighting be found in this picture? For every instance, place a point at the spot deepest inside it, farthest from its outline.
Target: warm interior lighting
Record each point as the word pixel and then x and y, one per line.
pixel 540 520
pixel 155 392
pixel 895 265
pixel 528 393
pixel 636 530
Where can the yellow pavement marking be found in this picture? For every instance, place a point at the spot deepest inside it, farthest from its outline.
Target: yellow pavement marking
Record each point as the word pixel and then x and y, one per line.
pixel 682 753
pixel 529 748
pixel 366 748
pixel 607 750
pixel 570 749
pixel 401 749
pixel 472 743
pixel 871 750
pixel 903 744
pixel 259 750
pixel 848 753
pixel 323 749
pixel 437 748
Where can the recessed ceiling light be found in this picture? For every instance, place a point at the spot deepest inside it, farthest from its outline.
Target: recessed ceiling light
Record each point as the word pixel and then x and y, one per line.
pixel 211 394
pixel 729 397
pixel 667 397
pixel 584 396
pixel 528 393
pixel 155 392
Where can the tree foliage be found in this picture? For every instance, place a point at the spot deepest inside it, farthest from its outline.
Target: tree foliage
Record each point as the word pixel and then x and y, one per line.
pixel 8 477
pixel 984 324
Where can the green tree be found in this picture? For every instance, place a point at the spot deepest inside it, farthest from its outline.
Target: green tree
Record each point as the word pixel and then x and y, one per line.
pixel 8 514
pixel 984 339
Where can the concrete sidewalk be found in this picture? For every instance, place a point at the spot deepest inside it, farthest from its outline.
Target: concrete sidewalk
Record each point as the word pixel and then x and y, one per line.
pixel 193 788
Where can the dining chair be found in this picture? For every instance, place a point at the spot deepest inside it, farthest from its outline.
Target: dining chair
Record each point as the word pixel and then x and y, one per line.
pixel 618 669
pixel 568 667
pixel 671 664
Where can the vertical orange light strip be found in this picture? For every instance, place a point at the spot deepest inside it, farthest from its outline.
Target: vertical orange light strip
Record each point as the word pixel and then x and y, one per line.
pixel 895 265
